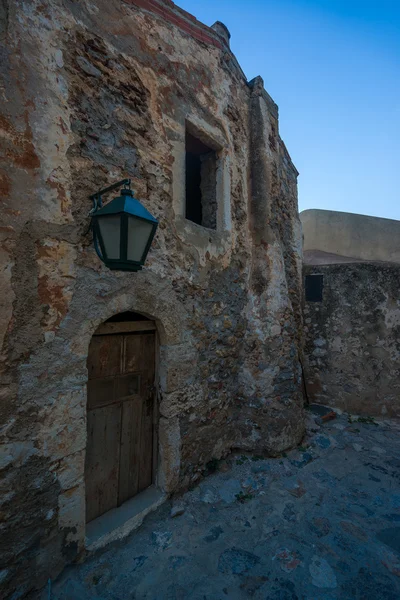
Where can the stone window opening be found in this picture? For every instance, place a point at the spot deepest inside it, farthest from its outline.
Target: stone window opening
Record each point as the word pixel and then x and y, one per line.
pixel 314 286
pixel 201 182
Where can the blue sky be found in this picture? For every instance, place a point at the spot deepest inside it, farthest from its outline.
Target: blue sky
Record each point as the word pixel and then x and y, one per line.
pixel 333 67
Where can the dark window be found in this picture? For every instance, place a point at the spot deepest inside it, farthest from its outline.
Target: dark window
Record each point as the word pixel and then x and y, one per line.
pixel 201 183
pixel 314 287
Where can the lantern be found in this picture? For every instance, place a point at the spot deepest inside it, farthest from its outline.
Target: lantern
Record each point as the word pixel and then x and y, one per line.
pixel 123 229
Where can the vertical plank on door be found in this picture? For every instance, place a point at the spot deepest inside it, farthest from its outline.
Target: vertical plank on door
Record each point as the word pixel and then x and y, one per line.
pixel 102 460
pixel 146 437
pixel 130 445
pixel 104 358
pixel 133 359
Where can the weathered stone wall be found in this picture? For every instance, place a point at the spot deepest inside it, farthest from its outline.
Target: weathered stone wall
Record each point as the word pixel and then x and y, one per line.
pixel 95 92
pixel 352 339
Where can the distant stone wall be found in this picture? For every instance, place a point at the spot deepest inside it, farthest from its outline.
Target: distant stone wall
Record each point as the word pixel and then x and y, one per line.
pixel 341 234
pixel 95 92
pixel 352 338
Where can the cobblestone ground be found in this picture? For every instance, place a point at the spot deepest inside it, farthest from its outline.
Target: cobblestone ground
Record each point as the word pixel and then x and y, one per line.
pixel 319 523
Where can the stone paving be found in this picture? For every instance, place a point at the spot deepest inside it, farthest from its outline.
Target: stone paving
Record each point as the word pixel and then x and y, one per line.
pixel 320 522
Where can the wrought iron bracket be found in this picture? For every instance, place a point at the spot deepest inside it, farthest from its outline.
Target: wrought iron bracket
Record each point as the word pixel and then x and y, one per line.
pixel 97 196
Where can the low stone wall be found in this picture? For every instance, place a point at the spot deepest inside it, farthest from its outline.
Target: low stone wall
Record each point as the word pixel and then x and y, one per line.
pixel 352 338
pixel 344 234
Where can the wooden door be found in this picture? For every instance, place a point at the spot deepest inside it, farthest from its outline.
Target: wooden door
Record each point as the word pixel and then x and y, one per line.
pixel 120 419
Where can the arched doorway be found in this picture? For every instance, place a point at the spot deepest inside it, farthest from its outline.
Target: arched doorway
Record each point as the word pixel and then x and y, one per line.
pixel 121 443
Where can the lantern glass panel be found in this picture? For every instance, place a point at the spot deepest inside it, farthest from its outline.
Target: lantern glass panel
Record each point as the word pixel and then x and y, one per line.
pixel 139 232
pixel 110 229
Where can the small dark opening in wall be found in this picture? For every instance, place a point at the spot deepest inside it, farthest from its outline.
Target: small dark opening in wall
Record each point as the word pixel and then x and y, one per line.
pixel 314 288
pixel 201 183
pixel 126 316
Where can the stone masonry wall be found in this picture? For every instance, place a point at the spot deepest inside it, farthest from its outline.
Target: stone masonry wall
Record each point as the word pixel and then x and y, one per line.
pixel 94 92
pixel 352 339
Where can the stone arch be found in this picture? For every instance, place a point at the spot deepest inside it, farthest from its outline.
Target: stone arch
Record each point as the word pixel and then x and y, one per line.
pixel 168 314
pixel 164 314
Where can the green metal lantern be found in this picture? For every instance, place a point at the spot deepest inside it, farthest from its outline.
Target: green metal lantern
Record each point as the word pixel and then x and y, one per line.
pixel 123 229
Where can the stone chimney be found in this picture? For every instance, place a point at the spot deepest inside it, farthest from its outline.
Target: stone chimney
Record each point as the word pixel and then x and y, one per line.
pixel 222 31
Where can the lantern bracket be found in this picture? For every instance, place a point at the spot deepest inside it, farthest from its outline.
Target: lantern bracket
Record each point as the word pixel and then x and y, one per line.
pixel 97 196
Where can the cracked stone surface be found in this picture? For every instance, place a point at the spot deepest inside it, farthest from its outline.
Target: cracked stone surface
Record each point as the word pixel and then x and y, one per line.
pixel 319 523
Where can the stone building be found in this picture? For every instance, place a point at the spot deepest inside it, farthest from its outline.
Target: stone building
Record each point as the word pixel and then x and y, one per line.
pixel 206 338
pixel 352 312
